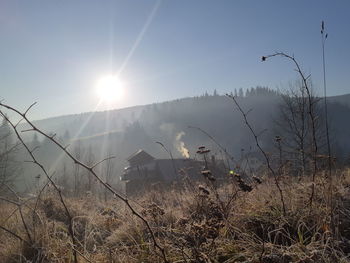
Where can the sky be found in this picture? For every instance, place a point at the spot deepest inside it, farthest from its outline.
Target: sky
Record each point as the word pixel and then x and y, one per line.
pixel 54 52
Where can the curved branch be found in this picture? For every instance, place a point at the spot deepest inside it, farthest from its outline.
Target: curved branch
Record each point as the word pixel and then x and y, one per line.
pixel 88 168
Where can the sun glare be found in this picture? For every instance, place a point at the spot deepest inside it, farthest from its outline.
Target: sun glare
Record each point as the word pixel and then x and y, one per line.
pixel 109 88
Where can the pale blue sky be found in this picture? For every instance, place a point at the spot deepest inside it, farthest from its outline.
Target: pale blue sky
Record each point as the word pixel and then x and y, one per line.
pixel 54 51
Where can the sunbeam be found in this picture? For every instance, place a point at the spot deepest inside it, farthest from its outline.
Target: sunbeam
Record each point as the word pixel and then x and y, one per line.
pixel 140 36
pixel 53 167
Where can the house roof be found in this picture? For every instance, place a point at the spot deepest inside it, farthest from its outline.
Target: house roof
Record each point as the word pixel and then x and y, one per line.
pixel 139 157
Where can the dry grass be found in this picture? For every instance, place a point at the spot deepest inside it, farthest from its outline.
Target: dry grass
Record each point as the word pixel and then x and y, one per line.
pixel 191 225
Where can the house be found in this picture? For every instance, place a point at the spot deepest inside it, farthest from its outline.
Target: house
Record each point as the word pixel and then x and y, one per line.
pixel 144 171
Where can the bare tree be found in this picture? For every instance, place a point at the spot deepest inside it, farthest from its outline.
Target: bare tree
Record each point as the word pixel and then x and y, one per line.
pixel 311 111
pixel 9 148
pixel 293 121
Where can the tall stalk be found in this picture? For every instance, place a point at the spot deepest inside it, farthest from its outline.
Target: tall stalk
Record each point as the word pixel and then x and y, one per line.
pixel 324 36
pixel 311 112
pixel 323 40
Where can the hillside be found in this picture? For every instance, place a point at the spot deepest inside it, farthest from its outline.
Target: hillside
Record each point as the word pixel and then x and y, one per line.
pixel 162 121
pixel 93 136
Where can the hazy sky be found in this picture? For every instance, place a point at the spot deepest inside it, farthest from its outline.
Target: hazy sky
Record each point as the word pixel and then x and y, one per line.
pixel 54 51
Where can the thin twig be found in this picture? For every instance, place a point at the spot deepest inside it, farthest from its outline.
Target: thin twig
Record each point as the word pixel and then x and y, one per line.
pixel 25 113
pixel 267 159
pixel 15 235
pixel 216 142
pixel 99 162
pixel 171 156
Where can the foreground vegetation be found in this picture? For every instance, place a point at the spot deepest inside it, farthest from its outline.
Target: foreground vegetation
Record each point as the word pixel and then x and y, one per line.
pixel 194 223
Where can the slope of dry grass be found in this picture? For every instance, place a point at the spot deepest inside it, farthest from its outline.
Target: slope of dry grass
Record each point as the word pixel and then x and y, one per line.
pixel 224 225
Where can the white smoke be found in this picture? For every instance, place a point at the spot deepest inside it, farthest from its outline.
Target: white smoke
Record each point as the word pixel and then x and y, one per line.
pixel 180 145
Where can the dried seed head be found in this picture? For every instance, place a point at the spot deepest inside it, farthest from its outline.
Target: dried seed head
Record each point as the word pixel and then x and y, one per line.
pixel 245 187
pixel 206 172
pixel 257 179
pixel 203 189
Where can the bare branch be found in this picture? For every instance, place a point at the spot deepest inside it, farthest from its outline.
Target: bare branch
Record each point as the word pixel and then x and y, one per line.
pixel 170 154
pixel 9 201
pixel 249 111
pixel 19 205
pixel 34 160
pixel 27 130
pixel 267 159
pixel 25 113
pixel 310 112
pixel 18 122
pixel 15 235
pixel 99 162
pixel 35 148
pixel 75 160
pixel 216 142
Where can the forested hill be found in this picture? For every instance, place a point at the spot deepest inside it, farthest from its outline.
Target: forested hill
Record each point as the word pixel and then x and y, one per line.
pixel 93 136
pixel 215 114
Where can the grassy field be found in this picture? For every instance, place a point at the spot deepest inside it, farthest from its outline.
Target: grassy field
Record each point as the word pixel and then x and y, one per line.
pixel 193 223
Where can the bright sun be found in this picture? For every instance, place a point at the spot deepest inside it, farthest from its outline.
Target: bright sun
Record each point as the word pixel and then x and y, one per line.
pixel 109 88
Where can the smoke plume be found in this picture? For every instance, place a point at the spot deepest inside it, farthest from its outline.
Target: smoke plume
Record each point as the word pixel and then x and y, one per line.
pixel 180 145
